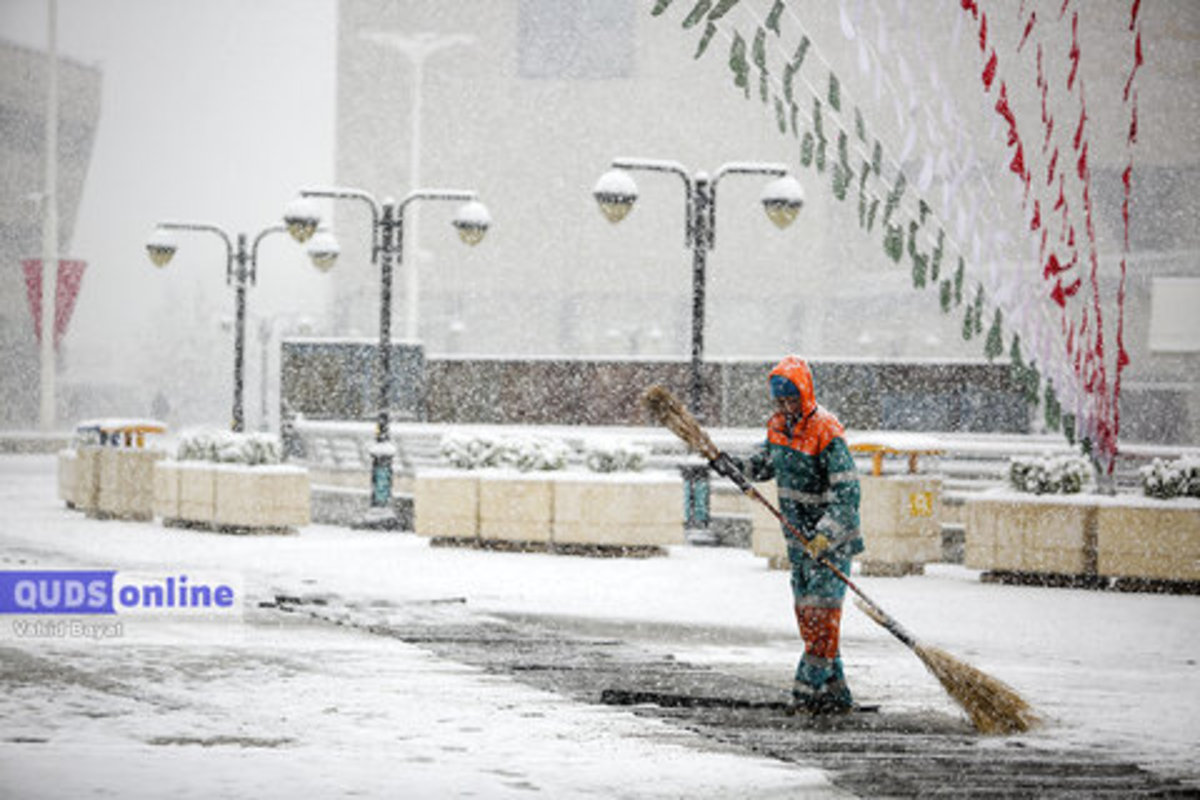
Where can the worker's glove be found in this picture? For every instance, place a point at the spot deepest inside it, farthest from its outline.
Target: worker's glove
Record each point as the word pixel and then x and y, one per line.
pixel 724 465
pixel 817 546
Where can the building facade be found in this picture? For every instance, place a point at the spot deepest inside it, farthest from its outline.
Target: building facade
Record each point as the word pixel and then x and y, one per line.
pixel 528 101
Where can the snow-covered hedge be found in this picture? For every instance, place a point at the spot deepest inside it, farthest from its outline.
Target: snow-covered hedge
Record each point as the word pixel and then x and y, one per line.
pixel 614 455
pixel 226 447
pixel 1053 475
pixel 477 451
pixel 536 453
pixel 539 453
pixel 473 452
pixel 1167 479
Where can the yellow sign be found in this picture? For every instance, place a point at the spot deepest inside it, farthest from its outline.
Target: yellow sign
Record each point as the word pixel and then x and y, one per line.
pixel 920 504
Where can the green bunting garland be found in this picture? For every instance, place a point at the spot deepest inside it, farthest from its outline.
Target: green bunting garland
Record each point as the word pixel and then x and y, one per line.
pixel 758 54
pixel 698 11
pixel 893 199
pixel 709 31
pixel 814 151
pixel 1052 413
pixel 893 242
pixel 773 17
pixel 722 8
pixel 936 263
pixel 737 63
pixel 994 345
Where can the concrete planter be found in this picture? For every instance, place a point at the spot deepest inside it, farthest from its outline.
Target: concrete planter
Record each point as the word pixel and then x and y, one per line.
pixel 515 507
pixel 1151 539
pixel 1014 532
pixel 1085 535
pixel 617 509
pixel 68 481
pixel 87 478
pixel 231 496
pixel 446 503
pixel 126 482
pixel 197 500
pixel 633 510
pixel 166 489
pixel 275 496
pixel 901 519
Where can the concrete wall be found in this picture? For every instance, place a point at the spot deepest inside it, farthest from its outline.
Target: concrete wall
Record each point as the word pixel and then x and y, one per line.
pixel 333 381
pixel 865 395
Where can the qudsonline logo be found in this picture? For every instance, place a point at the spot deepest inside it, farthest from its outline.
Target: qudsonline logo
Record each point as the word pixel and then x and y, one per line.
pixel 112 592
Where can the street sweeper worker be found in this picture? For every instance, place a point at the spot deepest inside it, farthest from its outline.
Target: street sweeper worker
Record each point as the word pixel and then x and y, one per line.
pixel 806 453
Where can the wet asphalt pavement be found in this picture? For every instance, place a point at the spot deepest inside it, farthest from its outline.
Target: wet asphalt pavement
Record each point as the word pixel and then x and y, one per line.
pixel 884 754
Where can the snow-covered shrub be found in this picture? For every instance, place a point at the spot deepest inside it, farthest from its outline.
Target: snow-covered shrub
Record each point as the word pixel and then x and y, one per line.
pixel 537 453
pixel 1167 479
pixel 614 455
pixel 198 445
pixel 1053 475
pixel 473 452
pixel 226 447
pixel 476 451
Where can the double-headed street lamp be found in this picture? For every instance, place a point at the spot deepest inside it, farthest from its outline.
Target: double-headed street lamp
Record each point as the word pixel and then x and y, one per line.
pixel 616 192
pixel 241 270
pixel 387 248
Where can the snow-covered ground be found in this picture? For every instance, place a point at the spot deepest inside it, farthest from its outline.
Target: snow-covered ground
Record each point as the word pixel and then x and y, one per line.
pixel 182 709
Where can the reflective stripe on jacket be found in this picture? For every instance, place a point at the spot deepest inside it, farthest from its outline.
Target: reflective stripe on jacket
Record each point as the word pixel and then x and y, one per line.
pixel 813 468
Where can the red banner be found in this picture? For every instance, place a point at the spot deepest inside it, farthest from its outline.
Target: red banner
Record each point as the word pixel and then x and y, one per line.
pixel 70 278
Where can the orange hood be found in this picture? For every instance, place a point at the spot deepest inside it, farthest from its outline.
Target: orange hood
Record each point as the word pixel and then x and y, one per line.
pixel 796 371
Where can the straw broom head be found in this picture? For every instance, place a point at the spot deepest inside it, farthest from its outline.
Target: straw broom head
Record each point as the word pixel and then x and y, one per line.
pixel 992 705
pixel 666 410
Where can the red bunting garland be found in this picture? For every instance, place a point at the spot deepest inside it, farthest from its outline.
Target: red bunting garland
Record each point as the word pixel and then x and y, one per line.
pixel 1085 346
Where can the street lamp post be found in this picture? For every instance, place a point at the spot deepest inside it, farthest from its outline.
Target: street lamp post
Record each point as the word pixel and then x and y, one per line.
pixel 387 248
pixel 616 192
pixel 417 48
pixel 241 269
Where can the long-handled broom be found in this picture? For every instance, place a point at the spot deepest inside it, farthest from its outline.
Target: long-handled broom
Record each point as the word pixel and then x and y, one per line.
pixel 993 706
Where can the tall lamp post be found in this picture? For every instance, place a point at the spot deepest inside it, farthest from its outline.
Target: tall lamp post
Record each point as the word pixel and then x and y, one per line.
pixel 241 269
pixel 782 198
pixel 417 48
pixel 48 387
pixel 387 248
